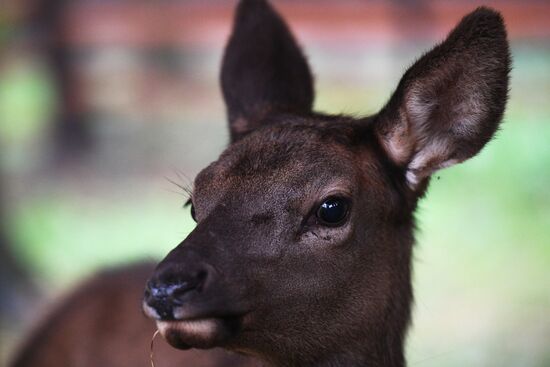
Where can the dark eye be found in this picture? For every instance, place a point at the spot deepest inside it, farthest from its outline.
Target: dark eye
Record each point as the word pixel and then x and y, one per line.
pixel 333 211
pixel 193 215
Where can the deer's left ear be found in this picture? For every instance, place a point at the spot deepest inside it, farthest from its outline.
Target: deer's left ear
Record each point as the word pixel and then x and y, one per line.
pixel 449 103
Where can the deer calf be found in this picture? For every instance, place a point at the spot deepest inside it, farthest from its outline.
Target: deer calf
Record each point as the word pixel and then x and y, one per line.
pixel 302 251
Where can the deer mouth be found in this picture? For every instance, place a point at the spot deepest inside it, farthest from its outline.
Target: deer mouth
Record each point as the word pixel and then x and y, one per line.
pixel 188 326
pixel 203 333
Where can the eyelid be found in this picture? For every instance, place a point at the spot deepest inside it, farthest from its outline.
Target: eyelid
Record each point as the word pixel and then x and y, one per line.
pixel 335 193
pixel 188 202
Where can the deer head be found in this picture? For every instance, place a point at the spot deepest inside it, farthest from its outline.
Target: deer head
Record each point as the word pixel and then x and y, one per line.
pixel 302 250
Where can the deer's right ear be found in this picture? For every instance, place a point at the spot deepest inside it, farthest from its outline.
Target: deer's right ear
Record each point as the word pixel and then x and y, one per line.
pixel 263 69
pixel 450 102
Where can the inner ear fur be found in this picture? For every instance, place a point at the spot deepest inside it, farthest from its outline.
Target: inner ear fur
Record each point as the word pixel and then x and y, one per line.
pixel 449 104
pixel 263 69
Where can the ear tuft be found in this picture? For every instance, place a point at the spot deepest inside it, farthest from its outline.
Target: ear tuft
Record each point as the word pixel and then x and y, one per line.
pixel 449 104
pixel 263 69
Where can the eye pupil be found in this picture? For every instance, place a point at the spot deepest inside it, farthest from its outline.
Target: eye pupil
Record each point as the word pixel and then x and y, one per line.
pixel 333 211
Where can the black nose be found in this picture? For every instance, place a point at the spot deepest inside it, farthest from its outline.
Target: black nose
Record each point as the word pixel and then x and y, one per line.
pixel 168 289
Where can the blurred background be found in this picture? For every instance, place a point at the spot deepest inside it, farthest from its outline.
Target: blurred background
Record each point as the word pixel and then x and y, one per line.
pixel 106 106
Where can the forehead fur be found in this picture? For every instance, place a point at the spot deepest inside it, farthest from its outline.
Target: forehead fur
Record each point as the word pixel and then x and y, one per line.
pixel 299 157
pixel 301 143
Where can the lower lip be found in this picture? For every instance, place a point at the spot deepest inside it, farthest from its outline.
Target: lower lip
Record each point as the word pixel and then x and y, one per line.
pixel 198 333
pixel 203 328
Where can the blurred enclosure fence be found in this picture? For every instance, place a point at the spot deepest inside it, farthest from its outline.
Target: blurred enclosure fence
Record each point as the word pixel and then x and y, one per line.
pixel 102 100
